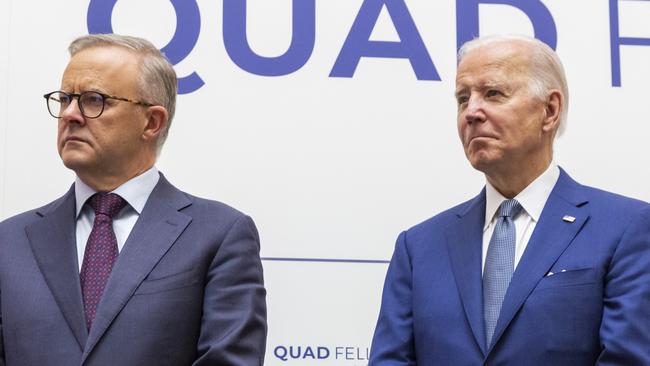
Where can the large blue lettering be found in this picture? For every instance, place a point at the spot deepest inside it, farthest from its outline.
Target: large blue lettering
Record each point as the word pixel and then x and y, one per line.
pixel 467 21
pixel 617 41
pixel 239 50
pixel 188 27
pixel 410 46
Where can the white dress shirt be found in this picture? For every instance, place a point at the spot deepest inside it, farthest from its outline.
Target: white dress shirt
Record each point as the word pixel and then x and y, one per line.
pixel 532 199
pixel 135 192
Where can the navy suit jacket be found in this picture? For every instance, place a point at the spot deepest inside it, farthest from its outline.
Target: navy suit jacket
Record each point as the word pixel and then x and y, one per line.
pixel 593 310
pixel 186 288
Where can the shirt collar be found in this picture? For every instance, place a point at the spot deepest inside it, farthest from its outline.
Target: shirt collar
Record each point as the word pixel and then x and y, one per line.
pixel 135 191
pixel 532 199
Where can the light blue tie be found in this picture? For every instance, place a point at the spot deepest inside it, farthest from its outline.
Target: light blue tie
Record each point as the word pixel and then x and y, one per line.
pixel 499 265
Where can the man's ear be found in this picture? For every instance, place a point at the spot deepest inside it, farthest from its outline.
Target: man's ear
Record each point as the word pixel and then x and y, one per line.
pixel 156 122
pixel 553 111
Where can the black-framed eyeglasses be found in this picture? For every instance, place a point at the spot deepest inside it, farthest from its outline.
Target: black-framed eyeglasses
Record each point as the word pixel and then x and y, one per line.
pixel 91 103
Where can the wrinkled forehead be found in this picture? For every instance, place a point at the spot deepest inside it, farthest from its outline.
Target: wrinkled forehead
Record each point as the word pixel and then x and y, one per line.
pixel 102 68
pixel 499 60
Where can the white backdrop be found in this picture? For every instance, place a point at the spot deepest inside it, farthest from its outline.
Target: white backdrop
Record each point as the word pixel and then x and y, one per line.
pixel 329 168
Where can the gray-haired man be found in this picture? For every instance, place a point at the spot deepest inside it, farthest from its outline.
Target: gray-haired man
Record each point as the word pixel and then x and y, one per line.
pixel 536 269
pixel 125 269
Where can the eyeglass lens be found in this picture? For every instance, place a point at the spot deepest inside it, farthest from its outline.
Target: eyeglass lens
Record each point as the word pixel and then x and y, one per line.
pixel 91 103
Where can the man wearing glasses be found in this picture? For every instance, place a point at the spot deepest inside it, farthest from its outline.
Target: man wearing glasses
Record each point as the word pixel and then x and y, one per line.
pixel 125 269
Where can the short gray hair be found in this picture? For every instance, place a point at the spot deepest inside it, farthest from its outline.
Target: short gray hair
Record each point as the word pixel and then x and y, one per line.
pixel 157 83
pixel 546 71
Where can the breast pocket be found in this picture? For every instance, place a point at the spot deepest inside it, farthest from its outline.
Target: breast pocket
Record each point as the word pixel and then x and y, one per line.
pixel 569 277
pixel 170 282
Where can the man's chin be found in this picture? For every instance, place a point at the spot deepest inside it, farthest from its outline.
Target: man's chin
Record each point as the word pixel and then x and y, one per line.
pixel 75 162
pixel 482 162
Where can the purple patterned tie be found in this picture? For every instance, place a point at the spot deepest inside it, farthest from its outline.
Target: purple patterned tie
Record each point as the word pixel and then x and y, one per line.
pixel 101 251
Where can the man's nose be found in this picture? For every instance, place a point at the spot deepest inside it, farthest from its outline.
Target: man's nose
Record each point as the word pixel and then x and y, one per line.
pixel 474 112
pixel 72 112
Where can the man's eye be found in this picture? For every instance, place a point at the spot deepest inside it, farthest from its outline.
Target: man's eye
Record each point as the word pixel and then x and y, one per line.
pixel 93 99
pixel 63 99
pixel 462 100
pixel 493 93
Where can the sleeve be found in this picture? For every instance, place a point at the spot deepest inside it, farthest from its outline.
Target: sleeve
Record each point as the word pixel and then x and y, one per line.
pixel 392 344
pixel 2 348
pixel 233 326
pixel 625 327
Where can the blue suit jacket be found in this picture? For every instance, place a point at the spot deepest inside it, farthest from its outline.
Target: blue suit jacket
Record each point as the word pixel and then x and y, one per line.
pixel 594 309
pixel 186 288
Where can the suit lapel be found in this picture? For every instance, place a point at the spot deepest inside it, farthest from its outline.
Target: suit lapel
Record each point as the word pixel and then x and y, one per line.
pixel 464 242
pixel 551 237
pixel 157 228
pixel 53 243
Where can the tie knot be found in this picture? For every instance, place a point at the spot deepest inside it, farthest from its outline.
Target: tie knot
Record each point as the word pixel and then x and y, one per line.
pixel 509 208
pixel 108 204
